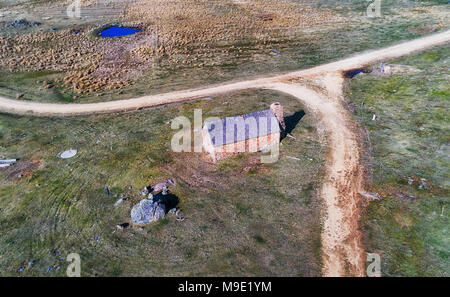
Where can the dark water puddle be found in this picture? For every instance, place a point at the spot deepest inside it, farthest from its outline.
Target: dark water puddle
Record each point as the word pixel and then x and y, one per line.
pixel 117 31
pixel 353 72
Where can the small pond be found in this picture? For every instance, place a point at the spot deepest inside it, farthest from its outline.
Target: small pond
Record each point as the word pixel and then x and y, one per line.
pixel 117 31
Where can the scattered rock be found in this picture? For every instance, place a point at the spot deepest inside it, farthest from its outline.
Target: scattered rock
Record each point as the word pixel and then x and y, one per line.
pixel 404 195
pixel 122 226
pixel 144 191
pixel 424 184
pixel 371 196
pixel 147 211
pixel 395 69
pixel 160 187
pixel 8 160
pixel 20 95
pixel 421 183
pixel 293 158
pixel 22 23
pixel 118 202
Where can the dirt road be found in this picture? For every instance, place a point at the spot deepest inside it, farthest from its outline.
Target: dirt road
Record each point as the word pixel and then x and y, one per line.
pixel 48 109
pixel 341 239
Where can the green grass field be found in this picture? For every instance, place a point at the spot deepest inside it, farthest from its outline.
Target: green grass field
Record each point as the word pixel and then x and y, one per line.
pixel 409 141
pixel 242 218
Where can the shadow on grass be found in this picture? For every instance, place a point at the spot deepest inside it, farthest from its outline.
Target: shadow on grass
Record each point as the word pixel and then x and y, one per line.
pixel 169 200
pixel 292 120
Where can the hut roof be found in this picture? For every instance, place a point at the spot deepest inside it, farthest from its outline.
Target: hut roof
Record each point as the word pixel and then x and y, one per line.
pixel 242 127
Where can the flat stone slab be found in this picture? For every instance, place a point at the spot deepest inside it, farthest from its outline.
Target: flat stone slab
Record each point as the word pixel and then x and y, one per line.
pixel 68 154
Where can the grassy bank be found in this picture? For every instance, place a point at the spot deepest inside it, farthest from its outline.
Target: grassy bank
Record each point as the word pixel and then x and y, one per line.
pixel 410 163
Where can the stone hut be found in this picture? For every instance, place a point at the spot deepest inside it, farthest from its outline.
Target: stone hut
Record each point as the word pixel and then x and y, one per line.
pixel 250 132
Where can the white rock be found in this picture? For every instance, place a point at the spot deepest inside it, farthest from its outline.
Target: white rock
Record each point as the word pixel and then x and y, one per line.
pixel 68 154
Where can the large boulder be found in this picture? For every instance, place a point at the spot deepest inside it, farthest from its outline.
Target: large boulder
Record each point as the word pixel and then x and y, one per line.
pixel 147 211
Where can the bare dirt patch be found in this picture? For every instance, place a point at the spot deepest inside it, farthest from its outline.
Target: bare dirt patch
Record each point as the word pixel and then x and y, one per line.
pixel 21 169
pixel 341 247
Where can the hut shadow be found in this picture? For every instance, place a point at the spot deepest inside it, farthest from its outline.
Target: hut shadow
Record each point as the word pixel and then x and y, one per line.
pixel 292 121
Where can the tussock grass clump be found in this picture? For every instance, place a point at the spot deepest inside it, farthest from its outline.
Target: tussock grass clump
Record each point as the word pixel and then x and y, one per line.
pixel 181 25
pixel 174 33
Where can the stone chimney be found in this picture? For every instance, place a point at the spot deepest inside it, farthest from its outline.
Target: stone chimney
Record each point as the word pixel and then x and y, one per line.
pixel 277 109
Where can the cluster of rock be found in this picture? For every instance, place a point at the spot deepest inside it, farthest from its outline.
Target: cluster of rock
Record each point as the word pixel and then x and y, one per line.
pixel 153 207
